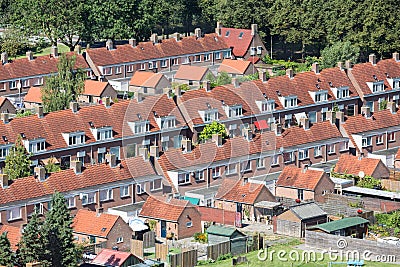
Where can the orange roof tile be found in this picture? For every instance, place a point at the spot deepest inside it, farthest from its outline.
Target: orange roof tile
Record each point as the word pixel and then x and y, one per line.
pixel 194 73
pixel 240 44
pixel 2 99
pixel 34 95
pixel 298 178
pixel 161 208
pixel 95 88
pixel 146 79
pixel 91 223
pixel 109 257
pixel 239 192
pixel 13 235
pixel 216 215
pixel 379 120
pixel 348 164
pixel 234 66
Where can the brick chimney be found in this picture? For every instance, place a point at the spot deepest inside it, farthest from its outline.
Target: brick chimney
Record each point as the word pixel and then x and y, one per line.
pixel 143 151
pixel 197 32
pixel 109 45
pixel 187 145
pixel 348 64
pixel 5 117
pixel 111 159
pixel 263 76
pixel 138 96
pixel 235 83
pixel 341 65
pixel 29 55
pixel 132 42
pixel 78 49
pixel 39 111
pixel 315 67
pixel 177 36
pixel 218 29
pixel 3 180
pixel 155 152
pixel 178 91
pixel 107 101
pixel 217 139
pixel 396 56
pixel 366 112
pixel 154 38
pixel 254 29
pixel 331 116
pixel 247 134
pixel 54 51
pixel 372 59
pixel 40 173
pixel 76 165
pixel 305 122
pixel 74 106
pixel 4 58
pixel 289 73
pixel 277 127
pixel 340 116
pixel 392 107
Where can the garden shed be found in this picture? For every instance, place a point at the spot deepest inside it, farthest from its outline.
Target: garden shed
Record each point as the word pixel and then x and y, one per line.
pixel 221 234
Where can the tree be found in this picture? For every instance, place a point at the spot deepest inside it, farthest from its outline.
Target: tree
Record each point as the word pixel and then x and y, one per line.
pixel 17 163
pixel 52 166
pixel 13 42
pixel 32 245
pixel 212 128
pixel 57 231
pixel 60 89
pixel 6 254
pixel 340 51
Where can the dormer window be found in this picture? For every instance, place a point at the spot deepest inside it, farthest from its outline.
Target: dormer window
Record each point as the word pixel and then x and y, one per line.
pixel 233 111
pixel 320 96
pixel 102 133
pixel 209 115
pixel 394 83
pixel 75 138
pixel 152 65
pixel 266 105
pixel 139 127
pixel 377 86
pixel 289 101
pixel 166 122
pixel 4 151
pixel 35 145
pixel 341 92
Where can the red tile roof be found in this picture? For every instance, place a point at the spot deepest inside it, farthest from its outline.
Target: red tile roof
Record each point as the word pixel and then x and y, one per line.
pixel 2 100
pixel 148 50
pixel 94 88
pixel 240 44
pixel 66 181
pixel 379 120
pixel 216 215
pixel 41 65
pixel 108 257
pixel 298 178
pixel 254 59
pixel 90 223
pixel 194 73
pixel 13 235
pixel 161 208
pixel 348 164
pixel 34 95
pixel 146 79
pixel 364 72
pixel 236 191
pixel 234 66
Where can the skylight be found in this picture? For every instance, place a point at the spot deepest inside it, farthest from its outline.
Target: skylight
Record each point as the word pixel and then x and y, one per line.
pixel 241 35
pixel 227 33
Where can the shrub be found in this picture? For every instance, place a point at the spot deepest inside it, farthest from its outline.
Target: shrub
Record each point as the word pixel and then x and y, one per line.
pixel 200 237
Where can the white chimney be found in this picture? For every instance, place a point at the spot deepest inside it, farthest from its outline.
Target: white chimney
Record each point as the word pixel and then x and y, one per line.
pixel 4 58
pixel 207 86
pixel 5 117
pixel 73 106
pixel 366 111
pixel 315 67
pixel 3 180
pixel 254 29
pixel 132 42
pixel 177 36
pixel 396 56
pixel 372 59
pixel 218 29
pixel 277 127
pixel 109 45
pixel 235 83
pixel 197 32
pixel 39 111
pixel 392 107
pixel 107 101
pixel 154 38
pixel 76 165
pixel 305 122
pixel 155 151
pixel 54 51
pixel 217 139
pixel 340 116
pixel 111 159
pixel 187 145
pixel 247 134
pixel 341 65
pixel 29 55
pixel 348 64
pixel 178 91
pixel 40 173
pixel 289 73
pixel 263 76
pixel 78 49
pixel 331 116
pixel 143 151
pixel 138 96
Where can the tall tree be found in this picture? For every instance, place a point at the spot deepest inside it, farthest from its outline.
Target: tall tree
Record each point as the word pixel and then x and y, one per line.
pixel 6 254
pixel 57 230
pixel 212 128
pixel 340 51
pixel 32 245
pixel 13 41
pixel 17 163
pixel 60 89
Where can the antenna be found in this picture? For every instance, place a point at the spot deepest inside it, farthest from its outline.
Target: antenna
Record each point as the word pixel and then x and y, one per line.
pixel 208 105
pixel 91 124
pixel 222 102
pixel 139 116
pixel 5 138
pixel 330 84
pixel 375 78
pixel 317 85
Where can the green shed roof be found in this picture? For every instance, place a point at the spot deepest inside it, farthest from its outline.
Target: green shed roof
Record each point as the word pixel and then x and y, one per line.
pixel 221 230
pixel 340 224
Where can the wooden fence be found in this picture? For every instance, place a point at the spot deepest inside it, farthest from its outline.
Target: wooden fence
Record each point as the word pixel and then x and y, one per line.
pixel 186 258
pixel 149 239
pixel 137 248
pixel 214 251
pixel 161 251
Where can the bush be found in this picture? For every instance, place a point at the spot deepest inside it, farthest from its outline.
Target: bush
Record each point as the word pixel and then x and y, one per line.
pixel 224 257
pixel 200 237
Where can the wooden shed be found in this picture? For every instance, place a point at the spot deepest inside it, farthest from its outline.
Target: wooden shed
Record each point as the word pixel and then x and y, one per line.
pixel 221 234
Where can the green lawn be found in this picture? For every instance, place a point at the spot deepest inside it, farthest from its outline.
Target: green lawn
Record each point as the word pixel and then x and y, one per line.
pixel 255 262
pixel 46 51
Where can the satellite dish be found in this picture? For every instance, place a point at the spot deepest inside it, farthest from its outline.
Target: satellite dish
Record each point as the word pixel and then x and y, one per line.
pixel 361 174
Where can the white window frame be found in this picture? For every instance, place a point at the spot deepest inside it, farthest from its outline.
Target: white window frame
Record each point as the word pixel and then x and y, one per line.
pixel 106 194
pixel 152 65
pixel 12 85
pixel 4 151
pixel 71 202
pixel 140 188
pixel 321 96
pixel 245 166
pixel 88 198
pixel 197 58
pixel 142 66
pixel 76 138
pixel 317 151
pixel 227 54
pixel 36 145
pixel 234 111
pixel 259 49
pixel 231 169
pixel 217 55
pixel 378 87
pixel 124 191
pixel 120 239
pixel 39 81
pixel 183 178
pixel 141 127
pixel 152 185
pixel 379 139
pixel 216 172
pixel 290 101
pixel 107 71
pixel 303 154
pixel 291 157
pixel 130 68
pixel 344 146
pixel 253 51
pixel 189 224
pixel 104 133
pixel 175 61
pixel 209 115
pixel 25 83
pixel 260 163
pixel 14 214
pixel 163 63
pixel 275 160
pixel 391 136
pixel 207 57
pixel 166 122
pixel 366 141
pixel 199 175
pixel 118 70
pixel 330 148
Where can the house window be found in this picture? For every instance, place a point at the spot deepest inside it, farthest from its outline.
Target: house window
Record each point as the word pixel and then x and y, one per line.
pixel 104 134
pixel 232 130
pixel 152 65
pixel 106 195
pixel 12 84
pixel 227 54
pixel 88 198
pixel 129 68
pixel 197 58
pixel 199 175
pixel 39 208
pixel 259 50
pixel 142 66
pixel 290 101
pixel 207 57
pixel 65 162
pixel 131 150
pixel 166 122
pixel 300 194
pixel 124 191
pixel 107 71
pixel 378 87
pixel 266 105
pixel 209 115
pixel 163 63
pixel 317 151
pixel 342 92
pixel 183 178
pixel 14 214
pixel 312 116
pixel 155 185
pixel 175 61
pixel 80 155
pixel 116 151
pixel 379 139
pixel 241 35
pixel 323 114
pixel 140 188
pixel 231 169
pixel 185 60
pixel 260 163
pixel 189 224
pixel 178 141
pixel 234 111
pixel 331 148
pixel 76 138
pixel 245 166
pixel 392 137
pixel 35 146
pixel 216 172
pixel 4 151
pixel 253 51
pixel 370 104
pixel 217 55
pixel 25 83
pixel 71 203
pixel 275 160
pixel 350 110
pixel 118 70
pixel 380 100
pixel 344 146
pixel 120 239
pixel 39 81
pixel 141 127
pixel 366 141
pixel 303 154
pixel 164 145
pixel 321 96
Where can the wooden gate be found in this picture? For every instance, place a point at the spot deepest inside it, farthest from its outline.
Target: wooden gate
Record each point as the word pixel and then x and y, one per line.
pixel 137 248
pixel 149 239
pixel 161 251
pixel 187 258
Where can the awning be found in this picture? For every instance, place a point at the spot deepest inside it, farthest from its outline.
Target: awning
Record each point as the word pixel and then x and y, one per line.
pixel 192 200
pixel 261 125
pixel 48 160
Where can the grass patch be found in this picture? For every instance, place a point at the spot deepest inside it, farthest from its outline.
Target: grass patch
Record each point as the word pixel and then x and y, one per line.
pixel 46 51
pixel 174 251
